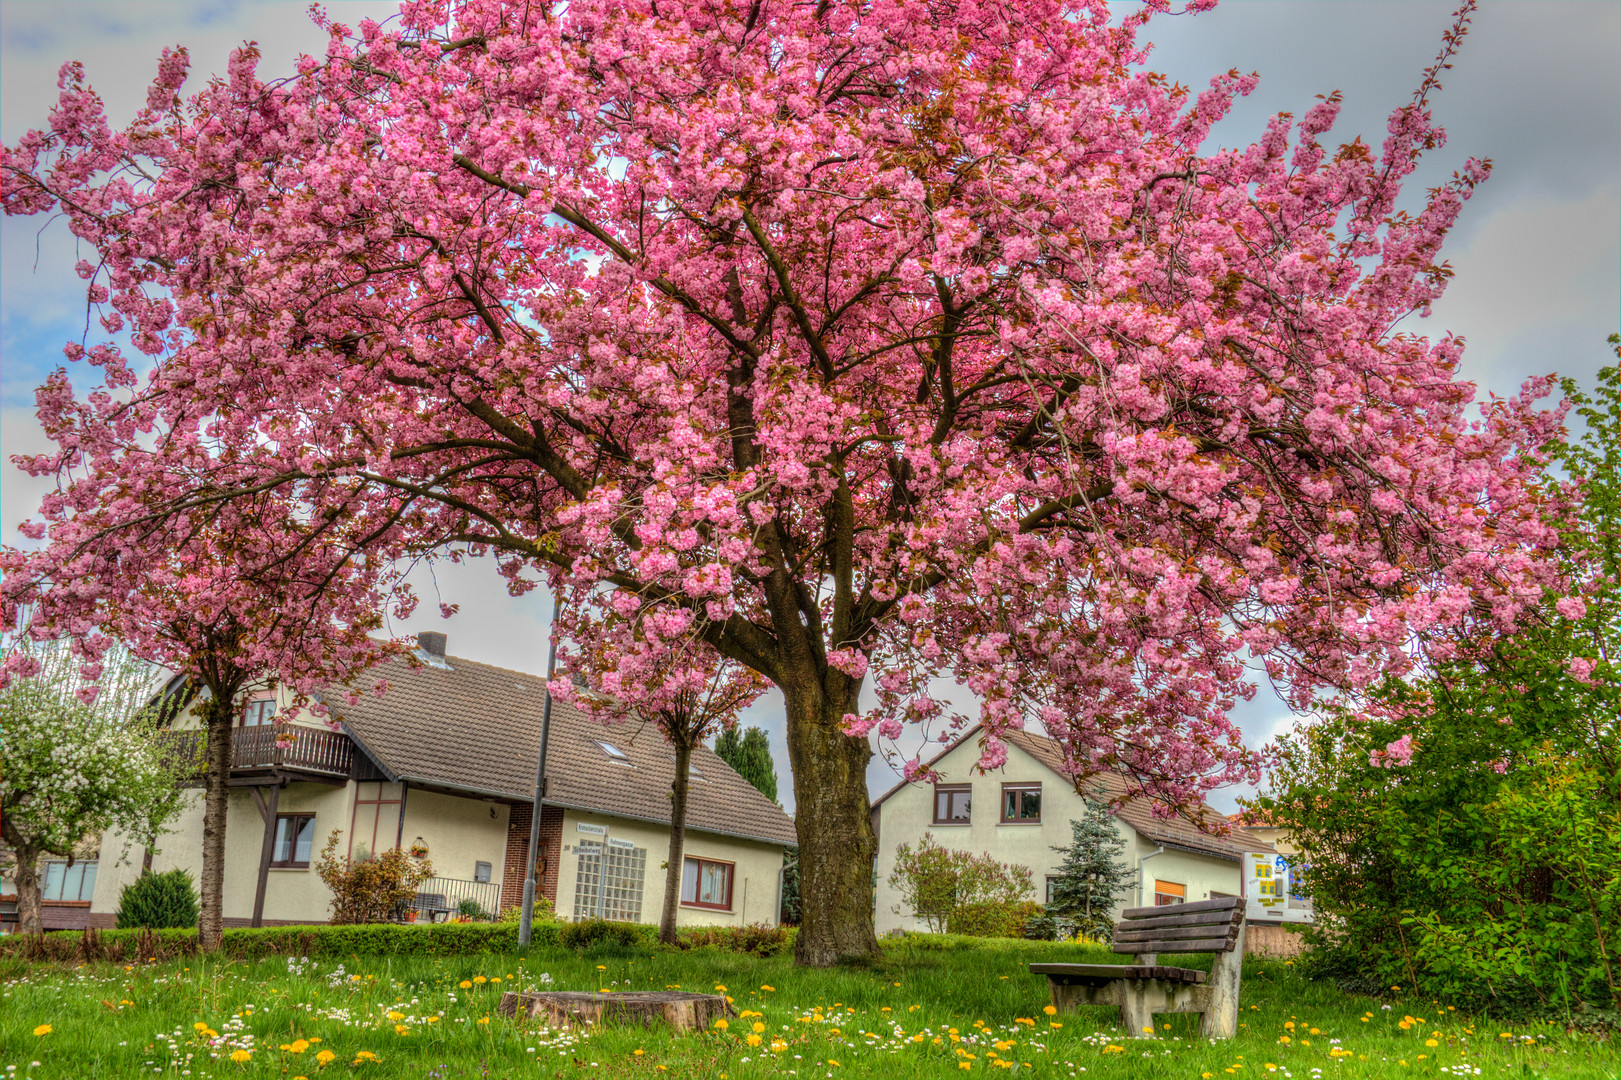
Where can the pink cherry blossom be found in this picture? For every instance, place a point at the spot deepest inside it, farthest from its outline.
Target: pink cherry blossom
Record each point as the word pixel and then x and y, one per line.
pixel 855 345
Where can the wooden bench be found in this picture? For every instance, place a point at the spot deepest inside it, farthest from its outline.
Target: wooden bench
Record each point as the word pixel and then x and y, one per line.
pixel 1148 987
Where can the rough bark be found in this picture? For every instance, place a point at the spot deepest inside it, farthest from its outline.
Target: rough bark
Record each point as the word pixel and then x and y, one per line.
pixel 146 859
pixel 30 913
pixel 836 842
pixel 678 838
pixel 216 804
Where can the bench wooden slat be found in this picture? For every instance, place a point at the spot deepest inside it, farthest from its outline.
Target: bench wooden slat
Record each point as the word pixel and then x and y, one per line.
pixel 1198 918
pixel 1225 903
pixel 1173 933
pixel 1102 973
pixel 1221 944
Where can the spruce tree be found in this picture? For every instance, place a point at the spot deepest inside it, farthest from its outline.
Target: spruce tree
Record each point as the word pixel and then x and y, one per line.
pixel 1092 876
pixel 749 752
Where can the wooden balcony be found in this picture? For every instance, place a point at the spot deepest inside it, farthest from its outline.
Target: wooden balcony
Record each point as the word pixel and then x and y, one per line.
pixel 293 752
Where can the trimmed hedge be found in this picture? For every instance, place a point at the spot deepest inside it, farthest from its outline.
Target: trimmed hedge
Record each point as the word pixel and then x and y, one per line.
pixel 375 939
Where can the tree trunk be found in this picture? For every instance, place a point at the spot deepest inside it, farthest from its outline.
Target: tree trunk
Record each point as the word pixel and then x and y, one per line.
pixel 146 859
pixel 832 817
pixel 216 805
pixel 30 915
pixel 678 839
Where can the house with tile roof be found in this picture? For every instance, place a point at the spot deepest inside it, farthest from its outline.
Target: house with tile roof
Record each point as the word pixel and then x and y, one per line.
pixel 1022 811
pixel 443 762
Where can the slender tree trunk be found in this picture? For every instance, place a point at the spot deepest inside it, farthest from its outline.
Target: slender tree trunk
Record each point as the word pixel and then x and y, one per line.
pixel 216 805
pixel 832 817
pixel 30 914
pixel 678 839
pixel 146 859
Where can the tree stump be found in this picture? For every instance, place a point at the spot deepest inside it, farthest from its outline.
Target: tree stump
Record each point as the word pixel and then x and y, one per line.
pixel 565 1008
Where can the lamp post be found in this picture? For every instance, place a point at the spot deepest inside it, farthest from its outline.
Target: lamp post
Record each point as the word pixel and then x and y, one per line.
pixel 527 922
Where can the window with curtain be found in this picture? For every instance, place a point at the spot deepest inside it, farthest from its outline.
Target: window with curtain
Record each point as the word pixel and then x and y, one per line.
pixel 1169 892
pixel 707 883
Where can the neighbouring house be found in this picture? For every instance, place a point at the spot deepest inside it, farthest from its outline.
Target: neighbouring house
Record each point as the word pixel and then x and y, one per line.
pixel 65 891
pixel 1022 811
pixel 445 761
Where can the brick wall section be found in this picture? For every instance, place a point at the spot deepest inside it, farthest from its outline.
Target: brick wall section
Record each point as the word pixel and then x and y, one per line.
pixel 513 870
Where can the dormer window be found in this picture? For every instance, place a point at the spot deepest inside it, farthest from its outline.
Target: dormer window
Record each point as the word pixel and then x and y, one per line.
pixel 613 752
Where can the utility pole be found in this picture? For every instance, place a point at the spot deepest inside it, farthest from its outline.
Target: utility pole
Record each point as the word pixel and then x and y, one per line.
pixel 526 923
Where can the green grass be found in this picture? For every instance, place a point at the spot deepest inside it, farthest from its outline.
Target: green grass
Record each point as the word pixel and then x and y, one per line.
pixel 108 1020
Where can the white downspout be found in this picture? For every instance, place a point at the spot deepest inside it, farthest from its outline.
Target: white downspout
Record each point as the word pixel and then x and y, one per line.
pixel 1142 878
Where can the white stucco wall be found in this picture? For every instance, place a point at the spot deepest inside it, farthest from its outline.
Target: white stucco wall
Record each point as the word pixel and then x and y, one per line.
pixel 290 895
pixel 458 831
pixel 907 814
pixel 757 870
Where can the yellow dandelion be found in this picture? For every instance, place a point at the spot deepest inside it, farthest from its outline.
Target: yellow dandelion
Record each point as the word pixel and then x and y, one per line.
pixel 752 1040
pixel 480 979
pixel 401 1029
pixel 325 1057
pixel 772 989
pixel 638 1052
pixel 239 1056
pixel 466 984
pixel 1050 1010
pixel 396 1016
pixel 43 1029
pixel 721 1024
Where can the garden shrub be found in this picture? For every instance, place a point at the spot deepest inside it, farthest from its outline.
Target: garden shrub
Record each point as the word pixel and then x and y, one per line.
pixel 757 939
pixel 994 919
pixel 1463 831
pixel 159 901
pixel 544 912
pixel 936 882
pixel 601 933
pixel 372 889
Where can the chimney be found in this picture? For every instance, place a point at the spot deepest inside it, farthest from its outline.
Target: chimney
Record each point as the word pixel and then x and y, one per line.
pixel 432 645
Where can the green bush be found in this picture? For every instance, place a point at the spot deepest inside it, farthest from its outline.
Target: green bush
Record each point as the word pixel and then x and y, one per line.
pixel 159 902
pixel 600 933
pixel 995 919
pixel 543 912
pixel 757 939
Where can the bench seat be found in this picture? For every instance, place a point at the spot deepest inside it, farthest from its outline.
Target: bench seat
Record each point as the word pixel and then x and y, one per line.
pixel 1098 974
pixel 1142 989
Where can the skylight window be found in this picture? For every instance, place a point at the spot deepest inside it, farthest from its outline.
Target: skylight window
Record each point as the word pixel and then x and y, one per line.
pixel 692 770
pixel 613 752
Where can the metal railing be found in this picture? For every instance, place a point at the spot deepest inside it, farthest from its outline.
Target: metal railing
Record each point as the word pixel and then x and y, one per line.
pixel 441 898
pixel 306 749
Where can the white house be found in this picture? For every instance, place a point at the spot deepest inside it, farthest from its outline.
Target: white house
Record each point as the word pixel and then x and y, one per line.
pixel 1022 811
pixel 445 760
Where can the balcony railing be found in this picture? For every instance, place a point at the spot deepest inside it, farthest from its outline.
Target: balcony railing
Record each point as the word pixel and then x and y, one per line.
pixel 306 749
pixel 441 898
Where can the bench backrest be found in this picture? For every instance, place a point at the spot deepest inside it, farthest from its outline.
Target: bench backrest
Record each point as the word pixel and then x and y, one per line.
pixel 1203 926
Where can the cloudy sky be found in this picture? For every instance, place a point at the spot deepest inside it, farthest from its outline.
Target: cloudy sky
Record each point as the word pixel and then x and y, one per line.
pixel 1536 88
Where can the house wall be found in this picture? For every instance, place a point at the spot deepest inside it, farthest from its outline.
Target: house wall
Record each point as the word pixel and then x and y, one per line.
pixel 755 883
pixel 907 814
pixel 290 895
pixel 459 832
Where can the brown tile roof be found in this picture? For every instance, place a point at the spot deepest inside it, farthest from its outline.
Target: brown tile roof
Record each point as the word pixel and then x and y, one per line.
pixel 475 727
pixel 1177 832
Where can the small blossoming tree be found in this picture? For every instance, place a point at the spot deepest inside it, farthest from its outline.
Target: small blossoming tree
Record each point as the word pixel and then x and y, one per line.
pixel 68 772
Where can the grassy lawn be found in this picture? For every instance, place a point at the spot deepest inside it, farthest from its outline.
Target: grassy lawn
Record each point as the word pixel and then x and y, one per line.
pixel 932 1007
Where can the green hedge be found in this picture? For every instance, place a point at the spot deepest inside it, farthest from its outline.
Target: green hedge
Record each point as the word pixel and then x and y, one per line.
pixel 377 939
